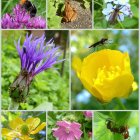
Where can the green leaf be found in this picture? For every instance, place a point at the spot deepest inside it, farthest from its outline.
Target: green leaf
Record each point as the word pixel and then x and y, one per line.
pixel 44 106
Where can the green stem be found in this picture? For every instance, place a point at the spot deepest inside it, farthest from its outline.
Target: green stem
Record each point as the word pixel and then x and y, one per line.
pixel 13 105
pixel 121 25
pixel 98 3
pixel 120 104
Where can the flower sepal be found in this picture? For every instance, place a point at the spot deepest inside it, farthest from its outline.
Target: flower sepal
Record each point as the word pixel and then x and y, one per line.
pixel 19 89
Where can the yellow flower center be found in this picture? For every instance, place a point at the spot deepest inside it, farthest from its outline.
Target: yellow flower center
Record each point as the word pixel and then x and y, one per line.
pixel 106 73
pixel 24 129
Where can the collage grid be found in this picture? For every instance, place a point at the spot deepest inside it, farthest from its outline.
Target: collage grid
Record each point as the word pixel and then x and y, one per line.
pixel 64 108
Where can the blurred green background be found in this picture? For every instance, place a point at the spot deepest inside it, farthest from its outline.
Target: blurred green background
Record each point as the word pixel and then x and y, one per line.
pixel 129 23
pixel 129 119
pixel 8 116
pixel 125 41
pixel 8 5
pixel 53 117
pixel 49 89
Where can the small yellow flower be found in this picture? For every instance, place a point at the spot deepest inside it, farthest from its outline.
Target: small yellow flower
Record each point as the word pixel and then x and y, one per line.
pixel 106 74
pixel 23 129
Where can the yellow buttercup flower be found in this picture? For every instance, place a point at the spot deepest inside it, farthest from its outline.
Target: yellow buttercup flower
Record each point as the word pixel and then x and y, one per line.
pixel 106 74
pixel 23 130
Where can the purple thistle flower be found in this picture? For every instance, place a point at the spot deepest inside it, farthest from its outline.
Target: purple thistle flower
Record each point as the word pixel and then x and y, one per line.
pixel 20 18
pixel 36 22
pixel 35 56
pixel 7 22
pixel 67 131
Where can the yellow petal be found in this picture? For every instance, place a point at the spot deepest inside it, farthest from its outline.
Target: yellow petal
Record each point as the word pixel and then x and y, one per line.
pixel 76 64
pixel 16 123
pixel 5 131
pixel 112 89
pixel 40 127
pixel 32 123
pixel 89 86
pixel 10 134
pixel 134 86
pixel 25 137
pixel 9 138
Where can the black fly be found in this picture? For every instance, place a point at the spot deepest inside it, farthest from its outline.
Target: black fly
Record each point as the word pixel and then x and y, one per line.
pixel 101 42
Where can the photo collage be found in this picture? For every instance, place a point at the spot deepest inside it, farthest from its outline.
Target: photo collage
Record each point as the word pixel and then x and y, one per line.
pixel 69 70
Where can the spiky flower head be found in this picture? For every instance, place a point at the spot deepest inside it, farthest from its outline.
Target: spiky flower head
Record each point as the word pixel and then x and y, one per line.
pixel 36 56
pixel 20 18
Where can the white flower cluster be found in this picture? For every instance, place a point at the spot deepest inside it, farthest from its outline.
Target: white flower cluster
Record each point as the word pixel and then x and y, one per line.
pixel 121 2
pixel 117 10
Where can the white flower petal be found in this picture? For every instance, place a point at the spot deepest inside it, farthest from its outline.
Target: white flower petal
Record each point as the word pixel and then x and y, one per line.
pixel 121 2
pixel 108 10
pixel 108 16
pixel 126 11
pixel 105 11
pixel 109 6
pixel 120 17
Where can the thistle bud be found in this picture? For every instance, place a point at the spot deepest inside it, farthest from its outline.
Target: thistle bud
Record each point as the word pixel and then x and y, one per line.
pixel 19 89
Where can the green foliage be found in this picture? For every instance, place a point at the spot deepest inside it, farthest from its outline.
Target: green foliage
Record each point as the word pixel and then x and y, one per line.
pixel 54 20
pixel 9 116
pixel 100 21
pixel 86 3
pixel 7 6
pixel 53 117
pixel 125 41
pixel 49 90
pixel 129 119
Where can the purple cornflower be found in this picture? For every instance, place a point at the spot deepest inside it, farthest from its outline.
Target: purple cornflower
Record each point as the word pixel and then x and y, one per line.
pixel 20 18
pixel 35 57
pixel 88 114
pixel 67 131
